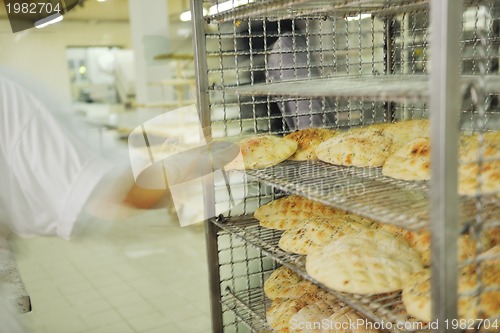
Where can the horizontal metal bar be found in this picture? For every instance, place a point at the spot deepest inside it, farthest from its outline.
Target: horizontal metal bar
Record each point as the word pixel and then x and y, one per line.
pixel 367 87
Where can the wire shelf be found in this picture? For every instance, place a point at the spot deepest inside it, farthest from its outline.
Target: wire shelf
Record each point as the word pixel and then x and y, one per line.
pixel 364 191
pixel 250 307
pixel 386 307
pixel 284 9
pixel 373 88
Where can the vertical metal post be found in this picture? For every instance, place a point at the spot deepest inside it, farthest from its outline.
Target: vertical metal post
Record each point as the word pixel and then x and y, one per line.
pixel 445 102
pixel 389 62
pixel 202 99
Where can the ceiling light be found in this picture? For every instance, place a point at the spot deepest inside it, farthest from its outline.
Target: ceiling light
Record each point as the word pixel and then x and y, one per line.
pixel 358 17
pixel 102 0
pixel 186 16
pixel 54 18
pixel 221 7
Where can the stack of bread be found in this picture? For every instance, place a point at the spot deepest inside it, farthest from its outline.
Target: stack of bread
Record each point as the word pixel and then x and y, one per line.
pixel 352 254
pixel 300 306
pixel 402 149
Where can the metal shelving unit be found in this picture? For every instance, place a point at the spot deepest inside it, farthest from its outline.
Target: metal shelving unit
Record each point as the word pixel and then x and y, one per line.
pixel 387 308
pixel 262 65
pixel 373 88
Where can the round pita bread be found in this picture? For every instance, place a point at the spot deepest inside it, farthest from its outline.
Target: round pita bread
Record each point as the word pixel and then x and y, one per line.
pixel 416 292
pixel 307 140
pixel 316 232
pixel 285 213
pixel 262 151
pixel 367 148
pixel 410 162
pixel 370 262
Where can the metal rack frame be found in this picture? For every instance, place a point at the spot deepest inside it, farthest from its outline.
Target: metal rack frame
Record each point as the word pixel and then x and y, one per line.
pixel 434 205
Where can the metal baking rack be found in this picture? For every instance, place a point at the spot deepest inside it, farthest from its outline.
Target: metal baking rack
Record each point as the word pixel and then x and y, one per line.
pixel 358 62
pixel 373 88
pixel 364 191
pixel 250 307
pixel 386 307
pixel 282 9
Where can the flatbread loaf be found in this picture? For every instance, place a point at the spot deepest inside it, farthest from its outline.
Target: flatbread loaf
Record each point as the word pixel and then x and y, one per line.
pixel 307 140
pixel 262 151
pixel 411 162
pixel 286 212
pixel 281 311
pixel 316 232
pixel 403 132
pixel 309 318
pixel 282 278
pixel 468 178
pixel 421 242
pixel 369 262
pixel 356 148
pixel 468 151
pixel 416 292
pixel 285 283
pixel 343 318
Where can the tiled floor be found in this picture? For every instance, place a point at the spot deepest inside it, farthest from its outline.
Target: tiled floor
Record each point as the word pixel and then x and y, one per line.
pixel 145 274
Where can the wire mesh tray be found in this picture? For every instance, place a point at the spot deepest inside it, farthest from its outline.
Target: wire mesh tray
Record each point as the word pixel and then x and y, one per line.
pixel 365 191
pixel 249 306
pixel 387 308
pixel 368 87
pixel 288 9
pixel 284 9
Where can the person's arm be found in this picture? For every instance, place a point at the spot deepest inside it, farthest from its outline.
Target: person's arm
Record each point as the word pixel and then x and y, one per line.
pixel 143 198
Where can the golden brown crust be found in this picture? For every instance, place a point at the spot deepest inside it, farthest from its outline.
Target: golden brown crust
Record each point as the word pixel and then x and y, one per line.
pixel 410 162
pixel 369 262
pixel 416 292
pixel 468 176
pixel 316 232
pixel 280 280
pixel 469 147
pixel 360 149
pixel 307 140
pixel 262 151
pixel 403 132
pixel 286 212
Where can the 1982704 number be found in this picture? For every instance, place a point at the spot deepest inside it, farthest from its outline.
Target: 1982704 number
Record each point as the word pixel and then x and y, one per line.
pixel 33 8
pixel 471 324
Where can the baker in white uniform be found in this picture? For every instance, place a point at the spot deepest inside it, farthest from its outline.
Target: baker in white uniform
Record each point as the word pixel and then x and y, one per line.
pixel 48 178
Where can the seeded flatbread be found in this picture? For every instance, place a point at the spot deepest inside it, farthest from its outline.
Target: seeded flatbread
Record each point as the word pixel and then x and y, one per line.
pixel 316 232
pixel 410 162
pixel 370 262
pixel 286 212
pixel 469 147
pixel 281 278
pixel 346 320
pixel 262 151
pixel 307 140
pixel 468 176
pixel 357 148
pixel 281 311
pixel 416 292
pixel 310 318
pixel 285 283
pixel 403 132
pixel 421 242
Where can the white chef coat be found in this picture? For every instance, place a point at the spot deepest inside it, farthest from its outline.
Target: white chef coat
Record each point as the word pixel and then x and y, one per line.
pixel 46 176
